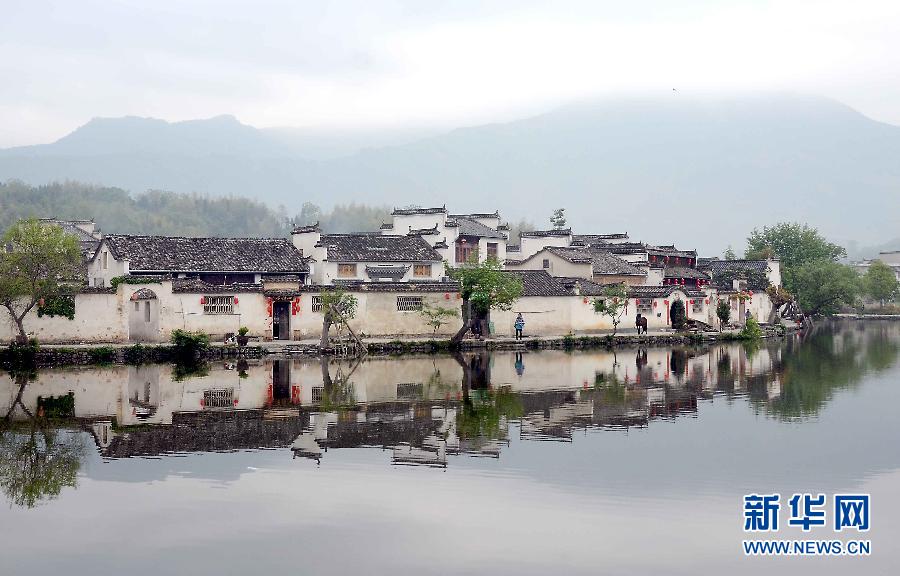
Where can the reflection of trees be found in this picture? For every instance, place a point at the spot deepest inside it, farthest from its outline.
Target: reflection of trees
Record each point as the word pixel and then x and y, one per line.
pixel 608 389
pixel 825 362
pixel 36 461
pixel 483 408
pixel 338 393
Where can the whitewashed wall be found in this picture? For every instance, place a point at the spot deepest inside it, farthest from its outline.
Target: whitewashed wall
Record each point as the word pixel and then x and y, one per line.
pixel 98 318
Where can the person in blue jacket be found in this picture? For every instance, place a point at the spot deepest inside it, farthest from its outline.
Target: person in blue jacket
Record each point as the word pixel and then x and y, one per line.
pixel 519 325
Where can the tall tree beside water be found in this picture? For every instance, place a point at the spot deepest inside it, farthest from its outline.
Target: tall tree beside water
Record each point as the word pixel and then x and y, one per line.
pixel 37 261
pixel 809 266
pixel 880 282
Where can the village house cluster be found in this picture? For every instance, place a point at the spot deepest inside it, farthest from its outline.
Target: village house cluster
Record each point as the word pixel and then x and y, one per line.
pixel 141 288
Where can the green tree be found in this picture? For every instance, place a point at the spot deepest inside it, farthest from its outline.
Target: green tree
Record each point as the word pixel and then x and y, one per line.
pixel 880 282
pixel 677 314
pixel 822 287
pixel 612 304
pixel 483 286
pixel 723 312
pixel 38 260
pixel 729 253
pixel 437 316
pixel 558 220
pixel 794 245
pixel 36 462
pixel 516 228
pixel 338 308
pixel 37 465
pixel 309 214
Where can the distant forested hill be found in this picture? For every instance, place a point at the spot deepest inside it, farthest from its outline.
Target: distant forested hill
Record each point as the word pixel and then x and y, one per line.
pixel 695 170
pixel 172 213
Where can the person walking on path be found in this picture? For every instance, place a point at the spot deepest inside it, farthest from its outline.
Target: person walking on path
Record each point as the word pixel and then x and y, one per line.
pixel 519 326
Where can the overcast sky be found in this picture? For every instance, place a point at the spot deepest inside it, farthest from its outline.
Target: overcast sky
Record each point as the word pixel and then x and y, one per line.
pixel 372 63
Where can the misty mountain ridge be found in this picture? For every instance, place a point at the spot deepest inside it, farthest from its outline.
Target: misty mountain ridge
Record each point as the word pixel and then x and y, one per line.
pixel 700 172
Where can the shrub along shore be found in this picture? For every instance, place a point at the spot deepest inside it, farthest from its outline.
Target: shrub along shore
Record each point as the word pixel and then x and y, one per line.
pixel 59 355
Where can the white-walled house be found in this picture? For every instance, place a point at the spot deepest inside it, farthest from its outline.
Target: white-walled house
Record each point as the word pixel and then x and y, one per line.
pixel 534 241
pixel 368 257
pixel 744 295
pixel 590 263
pixel 458 237
pixel 212 260
pixel 771 268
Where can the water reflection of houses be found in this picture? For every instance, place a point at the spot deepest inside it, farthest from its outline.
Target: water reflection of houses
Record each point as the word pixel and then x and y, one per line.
pixel 415 407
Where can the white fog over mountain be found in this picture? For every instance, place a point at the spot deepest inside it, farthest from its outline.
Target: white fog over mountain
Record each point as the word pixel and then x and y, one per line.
pixel 703 170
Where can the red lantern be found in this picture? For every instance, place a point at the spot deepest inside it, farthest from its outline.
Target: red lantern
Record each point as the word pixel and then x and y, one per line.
pixel 446 296
pixel 235 299
pixel 666 302
pixel 692 301
pixel 584 300
pixel 655 303
pixel 203 300
pixel 202 402
pixel 706 301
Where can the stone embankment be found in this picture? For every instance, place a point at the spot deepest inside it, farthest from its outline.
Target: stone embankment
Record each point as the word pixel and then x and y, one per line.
pixel 54 355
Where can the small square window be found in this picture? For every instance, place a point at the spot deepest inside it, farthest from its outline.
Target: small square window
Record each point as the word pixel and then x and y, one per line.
pixel 346 270
pixel 409 303
pixel 546 263
pixel 218 305
pixel 422 270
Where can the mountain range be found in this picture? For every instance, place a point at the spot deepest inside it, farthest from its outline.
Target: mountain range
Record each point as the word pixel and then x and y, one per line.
pixel 701 172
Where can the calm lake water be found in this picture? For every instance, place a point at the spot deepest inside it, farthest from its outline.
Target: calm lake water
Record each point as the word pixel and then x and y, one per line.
pixel 536 463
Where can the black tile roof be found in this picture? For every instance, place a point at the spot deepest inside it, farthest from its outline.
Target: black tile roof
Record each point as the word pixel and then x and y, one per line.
pixel 180 254
pixel 423 231
pixel 387 271
pixel 144 294
pixel 670 250
pixel 309 228
pixel 626 248
pixel 546 233
pixel 495 214
pixel 86 241
pixel 377 248
pixel 411 211
pixel 539 283
pixel 601 261
pixel 360 286
pixel 592 239
pixel 586 287
pixel 684 272
pixel 197 286
pixel 282 278
pixel 662 291
pixel 713 266
pixel 470 227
